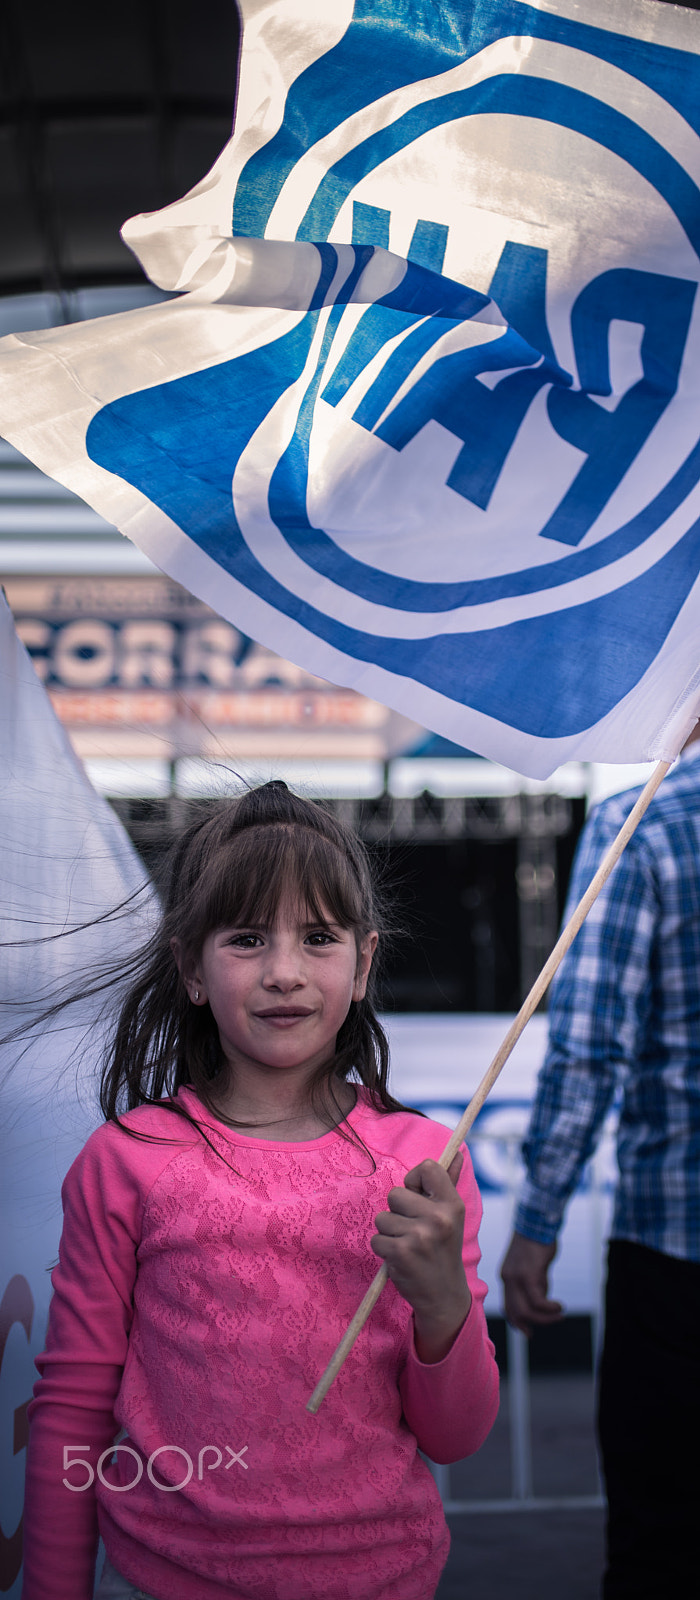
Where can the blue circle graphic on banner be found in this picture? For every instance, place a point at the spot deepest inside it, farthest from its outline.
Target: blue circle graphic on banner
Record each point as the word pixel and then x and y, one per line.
pixel 669 303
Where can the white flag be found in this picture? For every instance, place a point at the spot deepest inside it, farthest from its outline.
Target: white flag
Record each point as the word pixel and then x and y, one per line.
pixel 426 415
pixel 66 865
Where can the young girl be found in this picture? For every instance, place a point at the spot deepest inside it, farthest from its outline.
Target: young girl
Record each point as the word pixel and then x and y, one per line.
pixel 221 1229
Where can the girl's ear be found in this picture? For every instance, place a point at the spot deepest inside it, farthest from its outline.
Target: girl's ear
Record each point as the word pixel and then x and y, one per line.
pixel 366 952
pixel 190 977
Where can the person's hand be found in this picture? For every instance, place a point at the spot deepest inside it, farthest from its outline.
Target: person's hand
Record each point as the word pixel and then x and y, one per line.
pixel 420 1239
pixel 525 1272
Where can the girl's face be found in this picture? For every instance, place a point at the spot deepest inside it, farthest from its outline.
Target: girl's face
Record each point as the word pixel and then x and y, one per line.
pixel 280 994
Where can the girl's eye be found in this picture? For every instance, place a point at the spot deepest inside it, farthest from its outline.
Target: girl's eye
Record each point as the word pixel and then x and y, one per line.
pixel 245 941
pixel 320 937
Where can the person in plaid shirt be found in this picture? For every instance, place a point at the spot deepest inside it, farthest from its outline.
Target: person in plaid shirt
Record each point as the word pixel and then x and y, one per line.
pixel 625 1015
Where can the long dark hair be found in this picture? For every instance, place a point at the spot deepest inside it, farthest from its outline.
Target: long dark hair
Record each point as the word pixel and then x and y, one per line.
pixel 232 868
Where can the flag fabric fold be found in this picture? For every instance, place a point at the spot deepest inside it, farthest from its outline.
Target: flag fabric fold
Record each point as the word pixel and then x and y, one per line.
pixel 425 414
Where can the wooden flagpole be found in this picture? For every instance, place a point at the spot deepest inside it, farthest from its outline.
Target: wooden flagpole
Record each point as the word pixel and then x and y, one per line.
pixel 530 1005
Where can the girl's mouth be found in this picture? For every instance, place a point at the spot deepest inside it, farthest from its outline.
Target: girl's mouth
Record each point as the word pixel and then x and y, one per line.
pixel 285 1014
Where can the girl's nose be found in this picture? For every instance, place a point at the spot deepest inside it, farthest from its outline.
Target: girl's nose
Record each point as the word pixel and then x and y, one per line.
pixel 284 968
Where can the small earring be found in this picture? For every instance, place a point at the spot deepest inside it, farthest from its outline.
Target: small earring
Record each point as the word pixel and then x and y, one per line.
pixel 196 994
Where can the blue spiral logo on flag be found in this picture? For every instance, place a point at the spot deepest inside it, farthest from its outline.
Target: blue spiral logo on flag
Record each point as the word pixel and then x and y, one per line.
pixel 465 477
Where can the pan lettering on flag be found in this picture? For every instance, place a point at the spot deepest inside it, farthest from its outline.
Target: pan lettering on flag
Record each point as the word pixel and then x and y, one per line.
pixel 487 423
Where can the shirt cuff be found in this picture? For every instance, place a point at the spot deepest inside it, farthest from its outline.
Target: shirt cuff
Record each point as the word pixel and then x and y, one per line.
pixel 461 1336
pixel 538 1215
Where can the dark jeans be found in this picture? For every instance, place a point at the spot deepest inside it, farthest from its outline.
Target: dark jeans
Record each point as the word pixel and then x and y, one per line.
pixel 649 1424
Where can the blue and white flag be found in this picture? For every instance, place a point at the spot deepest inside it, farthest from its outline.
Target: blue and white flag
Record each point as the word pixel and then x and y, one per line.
pixel 425 417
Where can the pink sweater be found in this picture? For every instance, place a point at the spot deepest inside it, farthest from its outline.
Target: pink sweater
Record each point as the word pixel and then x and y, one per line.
pixel 195 1306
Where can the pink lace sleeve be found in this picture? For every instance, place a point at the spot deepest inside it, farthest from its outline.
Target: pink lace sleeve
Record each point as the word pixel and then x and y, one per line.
pixel 73 1413
pixel 81 1368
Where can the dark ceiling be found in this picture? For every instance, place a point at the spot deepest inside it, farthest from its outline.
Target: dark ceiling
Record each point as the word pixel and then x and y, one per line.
pixel 105 111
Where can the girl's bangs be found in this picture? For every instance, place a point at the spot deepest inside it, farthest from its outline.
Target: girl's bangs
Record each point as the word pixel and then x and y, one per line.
pixel 260 867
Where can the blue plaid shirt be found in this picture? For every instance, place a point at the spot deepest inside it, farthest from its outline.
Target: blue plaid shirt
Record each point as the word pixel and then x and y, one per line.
pixel 625 1011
